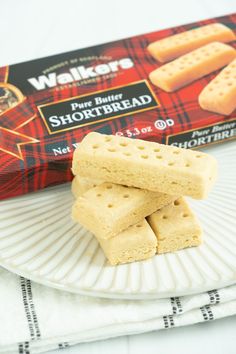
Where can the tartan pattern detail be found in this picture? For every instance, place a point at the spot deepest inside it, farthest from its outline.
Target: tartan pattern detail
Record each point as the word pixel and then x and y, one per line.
pixel 4 74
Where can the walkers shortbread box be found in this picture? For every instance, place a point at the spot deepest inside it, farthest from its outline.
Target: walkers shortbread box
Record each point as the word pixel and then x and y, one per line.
pixel 176 86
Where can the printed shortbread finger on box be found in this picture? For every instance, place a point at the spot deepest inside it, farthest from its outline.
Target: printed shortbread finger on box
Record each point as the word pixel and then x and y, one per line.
pixel 192 66
pixel 175 227
pixel 136 243
pixel 219 95
pixel 108 209
pixel 81 184
pixel 169 48
pixel 144 164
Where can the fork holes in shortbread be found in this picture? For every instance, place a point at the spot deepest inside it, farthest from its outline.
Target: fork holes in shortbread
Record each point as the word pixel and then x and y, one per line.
pixel 111 150
pixel 126 196
pixel 98 195
pixel 176 152
pixel 107 138
pixel 187 164
pixel 164 217
pixel 110 205
pixel 95 146
pixel 109 186
pixel 141 147
pixel 127 153
pixel 123 144
pixel 138 225
pixel 144 156
pixel 159 157
pixel 185 215
pixel 176 202
pixel 171 163
pixel 156 150
pixel 198 156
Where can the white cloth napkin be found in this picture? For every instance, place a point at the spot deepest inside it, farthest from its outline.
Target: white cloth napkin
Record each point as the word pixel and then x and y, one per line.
pixel 35 318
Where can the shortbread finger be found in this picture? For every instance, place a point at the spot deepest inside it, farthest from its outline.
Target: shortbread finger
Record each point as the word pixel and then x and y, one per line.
pixel 219 95
pixel 136 243
pixel 108 209
pixel 192 66
pixel 80 185
pixel 175 227
pixel 172 47
pixel 144 164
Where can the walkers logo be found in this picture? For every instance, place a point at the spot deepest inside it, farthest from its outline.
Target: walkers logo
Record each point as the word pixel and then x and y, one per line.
pixel 79 73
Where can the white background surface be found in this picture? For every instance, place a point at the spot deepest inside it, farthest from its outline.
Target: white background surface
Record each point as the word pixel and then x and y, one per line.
pixel 30 29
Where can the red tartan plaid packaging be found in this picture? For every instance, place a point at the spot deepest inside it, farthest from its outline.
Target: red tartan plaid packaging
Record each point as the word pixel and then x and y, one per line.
pixel 48 105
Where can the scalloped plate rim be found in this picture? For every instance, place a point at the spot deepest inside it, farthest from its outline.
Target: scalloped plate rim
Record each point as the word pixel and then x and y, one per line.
pixel 117 295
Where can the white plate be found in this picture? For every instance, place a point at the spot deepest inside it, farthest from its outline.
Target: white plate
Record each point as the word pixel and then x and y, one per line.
pixel 39 241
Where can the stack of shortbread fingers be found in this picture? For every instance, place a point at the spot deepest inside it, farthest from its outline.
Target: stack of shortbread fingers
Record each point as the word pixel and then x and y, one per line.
pixel 129 195
pixel 194 54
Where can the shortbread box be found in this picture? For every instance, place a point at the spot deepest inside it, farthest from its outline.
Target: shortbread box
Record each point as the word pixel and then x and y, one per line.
pixel 176 86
